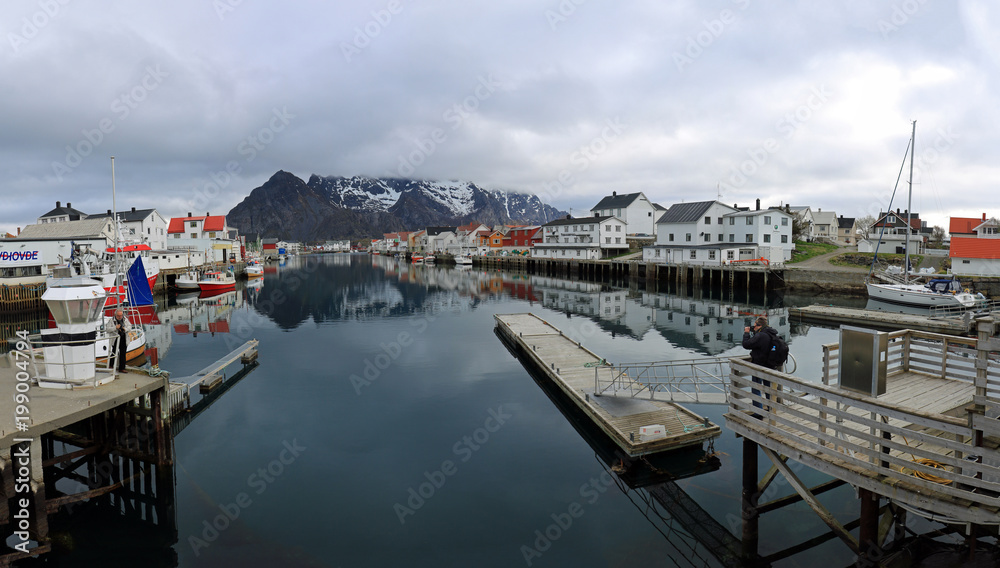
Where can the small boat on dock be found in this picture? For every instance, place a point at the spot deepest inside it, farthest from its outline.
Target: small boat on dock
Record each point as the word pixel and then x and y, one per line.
pixel 217 281
pixel 254 270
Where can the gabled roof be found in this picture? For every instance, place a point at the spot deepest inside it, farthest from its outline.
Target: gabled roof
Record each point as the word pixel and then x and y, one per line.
pixel 579 220
pixel 212 223
pixel 69 230
pixel 963 225
pixel 900 220
pixel 615 201
pixel 746 212
pixel 435 231
pixel 826 217
pixel 65 210
pixel 845 222
pixel 215 223
pixel 126 216
pixel 970 247
pixel 986 223
pixel 687 212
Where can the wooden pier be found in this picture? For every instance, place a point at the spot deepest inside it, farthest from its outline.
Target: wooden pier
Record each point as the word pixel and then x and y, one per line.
pixel 927 445
pixel 571 367
pixel 835 316
pixel 208 379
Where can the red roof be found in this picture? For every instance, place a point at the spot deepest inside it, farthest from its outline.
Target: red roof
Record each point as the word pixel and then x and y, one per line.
pixel 963 225
pixel 215 223
pixel 177 223
pixel 969 247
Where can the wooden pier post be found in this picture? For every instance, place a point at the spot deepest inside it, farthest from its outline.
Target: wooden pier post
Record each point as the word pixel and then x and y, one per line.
pixel 868 543
pixel 748 511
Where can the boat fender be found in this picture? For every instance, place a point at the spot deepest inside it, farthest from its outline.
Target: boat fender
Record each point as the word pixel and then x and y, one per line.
pixel 966 290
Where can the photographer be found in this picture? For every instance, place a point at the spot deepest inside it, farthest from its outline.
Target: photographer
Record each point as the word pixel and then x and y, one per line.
pixel 759 343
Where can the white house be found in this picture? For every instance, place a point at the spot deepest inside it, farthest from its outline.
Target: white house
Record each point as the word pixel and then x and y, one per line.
pixel 821 224
pixel 586 238
pixel 143 225
pixel 712 233
pixel 891 229
pixel 208 233
pixel 62 214
pixel 978 255
pixel 634 209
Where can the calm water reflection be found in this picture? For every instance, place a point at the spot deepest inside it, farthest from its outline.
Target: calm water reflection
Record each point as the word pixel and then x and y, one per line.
pixel 388 426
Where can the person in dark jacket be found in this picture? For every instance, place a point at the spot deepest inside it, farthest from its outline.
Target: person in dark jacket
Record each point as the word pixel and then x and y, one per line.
pixel 120 329
pixel 759 343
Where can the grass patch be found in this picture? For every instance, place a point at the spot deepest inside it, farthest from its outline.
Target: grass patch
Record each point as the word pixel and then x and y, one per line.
pixel 805 251
pixel 864 259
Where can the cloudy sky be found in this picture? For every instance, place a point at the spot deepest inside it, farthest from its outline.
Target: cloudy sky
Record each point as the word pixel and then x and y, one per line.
pixel 201 101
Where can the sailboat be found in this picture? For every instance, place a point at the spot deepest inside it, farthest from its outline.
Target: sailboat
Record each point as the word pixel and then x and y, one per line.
pixel 888 287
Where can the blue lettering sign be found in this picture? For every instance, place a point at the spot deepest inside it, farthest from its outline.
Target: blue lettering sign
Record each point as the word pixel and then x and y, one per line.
pixel 18 256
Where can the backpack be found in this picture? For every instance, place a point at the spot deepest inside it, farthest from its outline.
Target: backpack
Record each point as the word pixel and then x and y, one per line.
pixel 778 353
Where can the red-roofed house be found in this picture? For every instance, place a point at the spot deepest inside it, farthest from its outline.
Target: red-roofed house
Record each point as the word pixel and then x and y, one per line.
pixel 964 226
pixel 205 233
pixel 975 246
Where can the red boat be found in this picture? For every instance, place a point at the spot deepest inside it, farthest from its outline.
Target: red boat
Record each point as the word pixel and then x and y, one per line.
pixel 217 282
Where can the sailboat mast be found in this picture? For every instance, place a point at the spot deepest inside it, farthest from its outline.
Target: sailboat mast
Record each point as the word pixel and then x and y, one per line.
pixel 114 220
pixel 909 205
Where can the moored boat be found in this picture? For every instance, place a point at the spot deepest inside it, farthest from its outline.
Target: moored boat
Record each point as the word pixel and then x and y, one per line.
pixel 187 281
pixel 217 281
pixel 416 259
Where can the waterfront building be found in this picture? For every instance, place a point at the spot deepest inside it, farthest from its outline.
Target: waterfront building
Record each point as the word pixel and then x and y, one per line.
pixel 892 230
pixel 634 209
pixel 584 238
pixel 207 233
pixel 977 251
pixel 31 256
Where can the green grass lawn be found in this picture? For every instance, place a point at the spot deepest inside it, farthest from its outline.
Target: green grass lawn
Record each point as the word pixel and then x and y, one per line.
pixel 864 259
pixel 805 251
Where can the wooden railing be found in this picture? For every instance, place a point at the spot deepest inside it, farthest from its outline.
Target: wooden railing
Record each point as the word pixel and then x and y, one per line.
pixel 863 436
pixel 933 354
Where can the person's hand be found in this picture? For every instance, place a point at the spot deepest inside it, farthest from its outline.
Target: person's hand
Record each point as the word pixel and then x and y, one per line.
pixel 746 330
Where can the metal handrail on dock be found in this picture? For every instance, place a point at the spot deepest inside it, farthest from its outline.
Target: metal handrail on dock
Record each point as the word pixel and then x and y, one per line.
pixel 690 380
pixel 179 389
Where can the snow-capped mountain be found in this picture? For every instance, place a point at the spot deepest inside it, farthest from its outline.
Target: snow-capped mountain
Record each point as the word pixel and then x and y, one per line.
pixel 357 207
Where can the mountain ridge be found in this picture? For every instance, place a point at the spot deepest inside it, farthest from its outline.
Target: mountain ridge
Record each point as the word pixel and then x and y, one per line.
pixel 336 207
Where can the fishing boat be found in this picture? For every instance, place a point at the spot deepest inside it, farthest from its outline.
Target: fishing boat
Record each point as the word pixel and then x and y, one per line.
pixel 187 281
pixel 217 281
pixel 429 259
pixel 416 258
pixel 463 259
pixel 254 270
pixel 899 288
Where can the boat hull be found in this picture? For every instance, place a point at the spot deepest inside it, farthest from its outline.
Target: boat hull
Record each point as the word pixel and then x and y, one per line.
pixel 212 287
pixel 917 295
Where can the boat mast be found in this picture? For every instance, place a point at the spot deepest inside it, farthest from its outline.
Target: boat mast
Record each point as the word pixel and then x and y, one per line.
pixel 909 206
pixel 114 221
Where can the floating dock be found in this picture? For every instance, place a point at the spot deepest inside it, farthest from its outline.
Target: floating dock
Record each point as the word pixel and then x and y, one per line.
pixel 572 368
pixel 834 315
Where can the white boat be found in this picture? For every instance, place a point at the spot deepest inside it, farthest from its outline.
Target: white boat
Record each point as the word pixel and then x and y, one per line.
pixel 887 287
pixel 463 259
pixel 429 259
pixel 254 270
pixel 187 281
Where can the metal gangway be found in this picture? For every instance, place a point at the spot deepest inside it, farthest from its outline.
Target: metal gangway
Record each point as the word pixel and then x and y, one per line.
pixel 701 380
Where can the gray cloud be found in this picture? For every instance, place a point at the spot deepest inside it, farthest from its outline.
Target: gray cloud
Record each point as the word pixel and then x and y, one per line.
pixel 518 93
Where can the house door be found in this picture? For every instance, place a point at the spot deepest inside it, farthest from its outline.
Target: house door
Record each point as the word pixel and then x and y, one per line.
pixel 900 250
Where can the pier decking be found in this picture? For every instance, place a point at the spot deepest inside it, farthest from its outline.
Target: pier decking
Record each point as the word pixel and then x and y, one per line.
pixel 835 315
pixel 571 367
pixel 929 444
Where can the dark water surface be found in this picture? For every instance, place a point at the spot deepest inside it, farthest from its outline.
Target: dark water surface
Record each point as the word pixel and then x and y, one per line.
pixel 387 425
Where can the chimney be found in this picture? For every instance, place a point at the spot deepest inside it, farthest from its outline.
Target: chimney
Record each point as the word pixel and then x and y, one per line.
pixel 568 217
pixel 109 212
pixel 68 204
pixel 189 214
pixel 58 205
pixel 897 211
pixel 736 205
pixel 984 216
pixel 133 209
pixel 758 204
pixel 19 230
pixel 614 193
pixel 841 216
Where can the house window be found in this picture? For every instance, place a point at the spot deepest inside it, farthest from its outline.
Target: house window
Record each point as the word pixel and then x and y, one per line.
pixel 767 238
pixel 767 219
pixel 650 214
pixel 784 221
pixel 618 240
pixel 619 212
pixel 211 235
pixel 721 237
pixel 732 238
pixel 177 235
pixel 618 228
pixel 657 251
pixel 591 228
pixel 730 255
pixel 711 255
pixel 577 253
pixel 749 220
pixel 694 254
pixel 749 238
pixel 607 228
pixel 965 261
pixel 890 219
pixel 687 237
pixel 708 237
pixel 670 237
pixel 732 220
pixel 194 235
pixel 193 224
pixel 720 220
pixel 565 228
pixel 708 220
pixel 607 240
pixel 784 238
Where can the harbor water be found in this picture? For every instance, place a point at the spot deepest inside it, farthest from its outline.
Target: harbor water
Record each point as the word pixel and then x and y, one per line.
pixel 387 425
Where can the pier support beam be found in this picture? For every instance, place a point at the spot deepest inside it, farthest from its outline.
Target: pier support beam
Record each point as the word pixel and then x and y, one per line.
pixel 868 535
pixel 749 512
